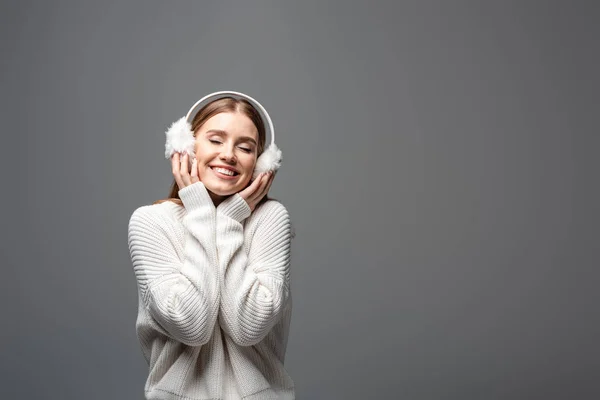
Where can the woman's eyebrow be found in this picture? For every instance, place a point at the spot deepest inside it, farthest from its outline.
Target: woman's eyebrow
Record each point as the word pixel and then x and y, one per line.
pixel 224 133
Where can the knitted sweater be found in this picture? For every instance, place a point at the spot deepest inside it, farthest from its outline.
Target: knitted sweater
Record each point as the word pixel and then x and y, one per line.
pixel 214 300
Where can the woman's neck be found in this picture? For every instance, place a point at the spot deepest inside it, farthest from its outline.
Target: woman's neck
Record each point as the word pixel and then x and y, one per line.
pixel 217 199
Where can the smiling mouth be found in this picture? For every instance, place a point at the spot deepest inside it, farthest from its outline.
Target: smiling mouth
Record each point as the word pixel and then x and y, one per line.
pixel 224 173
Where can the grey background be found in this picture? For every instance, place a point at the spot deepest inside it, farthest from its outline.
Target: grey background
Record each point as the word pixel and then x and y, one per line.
pixel 440 168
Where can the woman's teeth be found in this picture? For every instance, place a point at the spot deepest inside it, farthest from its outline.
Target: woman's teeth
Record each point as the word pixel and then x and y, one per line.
pixel 224 171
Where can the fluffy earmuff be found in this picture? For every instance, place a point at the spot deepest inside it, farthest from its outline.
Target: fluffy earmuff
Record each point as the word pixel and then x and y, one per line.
pixel 180 138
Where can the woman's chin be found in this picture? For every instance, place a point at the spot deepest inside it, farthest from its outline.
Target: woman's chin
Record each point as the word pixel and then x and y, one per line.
pixel 221 187
pixel 221 191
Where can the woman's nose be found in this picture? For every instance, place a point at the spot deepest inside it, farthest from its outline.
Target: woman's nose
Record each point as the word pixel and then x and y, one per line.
pixel 228 154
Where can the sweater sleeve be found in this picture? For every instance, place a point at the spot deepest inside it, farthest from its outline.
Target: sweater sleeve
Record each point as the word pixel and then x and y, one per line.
pixel 255 285
pixel 179 286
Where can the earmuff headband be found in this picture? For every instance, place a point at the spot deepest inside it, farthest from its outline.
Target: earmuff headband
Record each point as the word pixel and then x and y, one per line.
pixel 228 93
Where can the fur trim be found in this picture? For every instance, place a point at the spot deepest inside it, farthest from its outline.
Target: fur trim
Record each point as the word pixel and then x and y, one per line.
pixel 269 160
pixel 179 138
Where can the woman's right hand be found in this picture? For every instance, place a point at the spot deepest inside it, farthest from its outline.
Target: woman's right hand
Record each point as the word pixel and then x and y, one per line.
pixel 180 169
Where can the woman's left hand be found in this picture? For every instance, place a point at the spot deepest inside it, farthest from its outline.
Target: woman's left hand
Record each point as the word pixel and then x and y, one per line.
pixel 258 189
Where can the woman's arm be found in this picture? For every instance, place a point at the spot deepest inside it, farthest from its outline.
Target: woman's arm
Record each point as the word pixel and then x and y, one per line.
pixel 255 287
pixel 181 295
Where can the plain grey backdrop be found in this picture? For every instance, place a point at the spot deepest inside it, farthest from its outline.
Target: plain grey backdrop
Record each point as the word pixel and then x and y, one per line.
pixel 440 167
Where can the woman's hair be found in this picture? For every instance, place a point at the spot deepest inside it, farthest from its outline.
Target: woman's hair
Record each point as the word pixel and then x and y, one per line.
pixel 225 104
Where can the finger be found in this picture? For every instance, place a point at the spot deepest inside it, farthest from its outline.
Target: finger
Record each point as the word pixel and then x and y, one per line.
pixel 256 183
pixel 260 190
pixel 271 179
pixel 264 187
pixel 184 170
pixel 265 181
pixel 268 183
pixel 194 174
pixel 249 192
pixel 188 165
pixel 175 166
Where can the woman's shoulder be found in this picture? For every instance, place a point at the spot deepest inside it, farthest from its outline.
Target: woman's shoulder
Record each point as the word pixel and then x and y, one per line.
pixel 159 207
pixel 156 214
pixel 271 212
pixel 269 208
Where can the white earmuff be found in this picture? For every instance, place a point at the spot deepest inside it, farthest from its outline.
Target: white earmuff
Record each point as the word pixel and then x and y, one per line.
pixel 180 138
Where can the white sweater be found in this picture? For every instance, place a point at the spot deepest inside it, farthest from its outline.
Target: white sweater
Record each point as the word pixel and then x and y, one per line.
pixel 215 305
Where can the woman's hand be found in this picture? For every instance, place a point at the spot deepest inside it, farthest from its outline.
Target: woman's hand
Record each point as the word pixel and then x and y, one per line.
pixel 180 169
pixel 258 189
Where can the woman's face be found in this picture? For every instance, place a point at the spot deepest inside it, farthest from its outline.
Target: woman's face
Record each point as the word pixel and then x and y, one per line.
pixel 227 140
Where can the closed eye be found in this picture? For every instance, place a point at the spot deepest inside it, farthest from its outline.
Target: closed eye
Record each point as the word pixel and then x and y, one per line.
pixel 245 149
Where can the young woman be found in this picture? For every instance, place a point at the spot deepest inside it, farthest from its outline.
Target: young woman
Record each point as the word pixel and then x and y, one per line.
pixel 212 265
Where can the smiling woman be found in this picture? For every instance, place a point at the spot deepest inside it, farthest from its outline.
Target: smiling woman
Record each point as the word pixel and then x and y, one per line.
pixel 212 264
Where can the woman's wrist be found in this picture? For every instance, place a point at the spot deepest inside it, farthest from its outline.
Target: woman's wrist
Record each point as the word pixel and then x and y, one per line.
pixel 234 207
pixel 194 195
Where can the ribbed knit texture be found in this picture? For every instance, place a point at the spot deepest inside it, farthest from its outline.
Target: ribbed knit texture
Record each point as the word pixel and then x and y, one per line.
pixel 215 304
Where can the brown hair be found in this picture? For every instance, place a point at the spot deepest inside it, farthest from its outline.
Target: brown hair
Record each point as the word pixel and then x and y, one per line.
pixel 225 104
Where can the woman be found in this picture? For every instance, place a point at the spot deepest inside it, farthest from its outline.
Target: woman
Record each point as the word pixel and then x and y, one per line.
pixel 212 265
